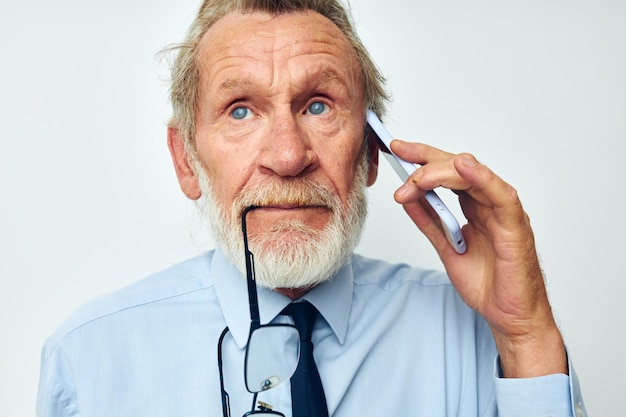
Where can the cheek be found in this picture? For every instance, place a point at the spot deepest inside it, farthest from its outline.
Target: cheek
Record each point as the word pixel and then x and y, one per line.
pixel 226 167
pixel 342 166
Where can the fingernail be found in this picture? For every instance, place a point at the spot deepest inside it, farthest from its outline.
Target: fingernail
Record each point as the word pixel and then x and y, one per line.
pixel 404 191
pixel 468 162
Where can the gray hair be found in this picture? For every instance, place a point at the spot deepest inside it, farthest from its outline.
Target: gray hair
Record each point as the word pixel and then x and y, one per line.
pixel 185 72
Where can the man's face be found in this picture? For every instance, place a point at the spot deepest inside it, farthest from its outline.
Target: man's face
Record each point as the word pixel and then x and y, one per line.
pixel 280 108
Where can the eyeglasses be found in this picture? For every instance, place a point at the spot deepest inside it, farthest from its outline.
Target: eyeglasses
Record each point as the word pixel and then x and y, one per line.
pixel 272 351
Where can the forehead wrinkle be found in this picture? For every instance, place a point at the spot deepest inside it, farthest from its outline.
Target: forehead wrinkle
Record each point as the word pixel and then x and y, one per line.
pixel 328 71
pixel 283 47
pixel 288 49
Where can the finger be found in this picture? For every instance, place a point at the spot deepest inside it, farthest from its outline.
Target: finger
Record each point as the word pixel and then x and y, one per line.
pixel 428 178
pixel 440 173
pixel 489 189
pixel 427 221
pixel 409 192
pixel 417 153
pixel 438 168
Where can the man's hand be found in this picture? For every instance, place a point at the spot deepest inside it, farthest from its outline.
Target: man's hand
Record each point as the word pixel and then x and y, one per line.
pixel 499 276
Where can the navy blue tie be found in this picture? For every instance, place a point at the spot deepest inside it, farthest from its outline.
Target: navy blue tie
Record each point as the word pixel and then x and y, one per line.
pixel 307 393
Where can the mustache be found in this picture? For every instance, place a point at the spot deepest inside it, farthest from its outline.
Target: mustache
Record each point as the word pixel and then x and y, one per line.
pixel 285 192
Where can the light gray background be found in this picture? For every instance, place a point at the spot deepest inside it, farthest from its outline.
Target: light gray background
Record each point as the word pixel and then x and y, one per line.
pixel 89 201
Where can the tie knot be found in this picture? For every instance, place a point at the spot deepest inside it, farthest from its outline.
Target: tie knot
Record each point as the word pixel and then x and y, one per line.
pixel 304 315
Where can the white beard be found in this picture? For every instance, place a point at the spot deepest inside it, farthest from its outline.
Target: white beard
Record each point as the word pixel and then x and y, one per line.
pixel 290 254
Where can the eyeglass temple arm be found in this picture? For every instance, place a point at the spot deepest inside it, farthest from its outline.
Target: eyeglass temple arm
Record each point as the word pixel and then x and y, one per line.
pixel 253 301
pixel 225 397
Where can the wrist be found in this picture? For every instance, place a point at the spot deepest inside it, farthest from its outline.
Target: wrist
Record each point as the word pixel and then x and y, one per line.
pixel 534 355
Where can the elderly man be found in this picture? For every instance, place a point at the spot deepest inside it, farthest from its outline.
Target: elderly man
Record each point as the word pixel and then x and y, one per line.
pixel 269 102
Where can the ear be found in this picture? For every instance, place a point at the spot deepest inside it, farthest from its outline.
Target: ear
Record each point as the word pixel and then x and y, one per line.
pixel 372 157
pixel 187 178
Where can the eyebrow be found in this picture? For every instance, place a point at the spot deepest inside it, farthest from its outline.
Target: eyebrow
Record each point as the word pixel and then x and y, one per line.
pixel 331 79
pixel 323 78
pixel 314 78
pixel 234 84
pixel 326 76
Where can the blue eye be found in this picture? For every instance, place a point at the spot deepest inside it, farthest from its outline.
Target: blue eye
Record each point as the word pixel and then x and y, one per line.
pixel 241 113
pixel 317 108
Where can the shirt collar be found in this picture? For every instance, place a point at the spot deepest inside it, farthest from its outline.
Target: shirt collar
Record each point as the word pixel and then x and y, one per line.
pixel 333 299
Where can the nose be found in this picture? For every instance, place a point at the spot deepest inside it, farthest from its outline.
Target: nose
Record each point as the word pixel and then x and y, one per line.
pixel 287 148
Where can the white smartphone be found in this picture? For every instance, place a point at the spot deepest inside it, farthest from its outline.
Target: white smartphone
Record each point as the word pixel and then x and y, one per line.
pixel 404 169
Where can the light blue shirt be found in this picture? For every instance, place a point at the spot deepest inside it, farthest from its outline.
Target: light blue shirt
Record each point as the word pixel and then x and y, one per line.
pixel 394 341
